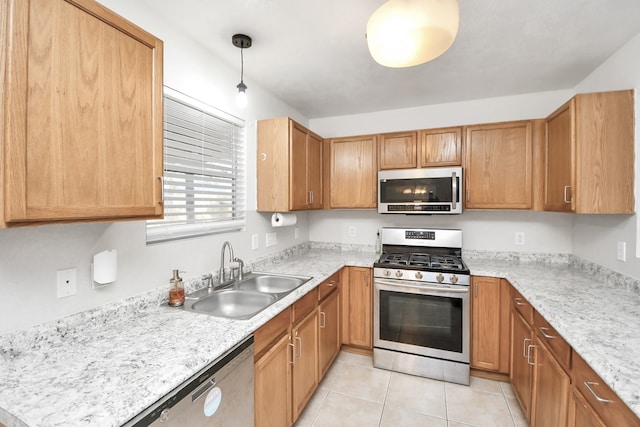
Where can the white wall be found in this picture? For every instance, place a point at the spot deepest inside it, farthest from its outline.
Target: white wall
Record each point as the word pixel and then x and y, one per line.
pixel 30 257
pixel 595 237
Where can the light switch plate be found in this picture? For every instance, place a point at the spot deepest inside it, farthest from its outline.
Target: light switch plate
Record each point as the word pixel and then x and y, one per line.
pixel 272 239
pixel 66 280
pixel 519 238
pixel 255 241
pixel 622 251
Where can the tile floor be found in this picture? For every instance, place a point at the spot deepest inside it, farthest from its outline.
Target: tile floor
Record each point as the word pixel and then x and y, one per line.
pixel 354 393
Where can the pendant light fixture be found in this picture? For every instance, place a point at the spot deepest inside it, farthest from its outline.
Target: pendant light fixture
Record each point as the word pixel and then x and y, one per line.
pixel 243 42
pixel 404 33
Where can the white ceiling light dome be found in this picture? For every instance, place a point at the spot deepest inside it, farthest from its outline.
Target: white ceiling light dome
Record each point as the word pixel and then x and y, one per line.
pixel 404 33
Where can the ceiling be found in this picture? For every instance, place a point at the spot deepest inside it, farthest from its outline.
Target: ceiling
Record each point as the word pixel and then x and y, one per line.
pixel 313 55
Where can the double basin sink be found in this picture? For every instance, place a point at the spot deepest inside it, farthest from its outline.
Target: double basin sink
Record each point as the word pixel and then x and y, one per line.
pixel 246 298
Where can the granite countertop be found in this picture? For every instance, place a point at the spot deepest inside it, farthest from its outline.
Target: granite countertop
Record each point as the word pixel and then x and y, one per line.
pixel 104 366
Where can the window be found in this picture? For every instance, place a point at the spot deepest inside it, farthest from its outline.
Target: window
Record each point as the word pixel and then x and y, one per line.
pixel 204 171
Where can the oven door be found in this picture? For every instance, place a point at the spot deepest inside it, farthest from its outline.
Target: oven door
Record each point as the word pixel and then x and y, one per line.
pixel 427 319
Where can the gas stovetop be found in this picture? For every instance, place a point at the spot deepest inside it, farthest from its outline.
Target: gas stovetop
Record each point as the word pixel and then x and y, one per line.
pixel 421 261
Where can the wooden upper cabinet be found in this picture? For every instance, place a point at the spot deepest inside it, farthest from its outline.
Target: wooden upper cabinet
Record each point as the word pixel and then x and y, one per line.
pixel 440 147
pixel 397 150
pixel 498 165
pixel 289 166
pixel 589 152
pixel 353 172
pixel 83 115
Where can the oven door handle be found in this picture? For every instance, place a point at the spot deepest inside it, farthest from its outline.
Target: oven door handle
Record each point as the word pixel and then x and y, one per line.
pixel 390 284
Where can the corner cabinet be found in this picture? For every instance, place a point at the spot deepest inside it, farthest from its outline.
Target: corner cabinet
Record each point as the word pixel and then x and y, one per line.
pixel 589 152
pixel 352 173
pixel 289 163
pixel 498 165
pixel 82 108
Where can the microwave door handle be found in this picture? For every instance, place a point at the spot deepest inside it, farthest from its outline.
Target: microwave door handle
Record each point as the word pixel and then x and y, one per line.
pixel 454 190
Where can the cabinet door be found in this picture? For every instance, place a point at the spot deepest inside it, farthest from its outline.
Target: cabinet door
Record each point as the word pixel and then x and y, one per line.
pixel 272 386
pixel 360 304
pixel 83 137
pixel 329 330
pixel 298 194
pixel 581 414
pixel 305 365
pixel 521 372
pixel 558 165
pixel 550 389
pixel 314 170
pixel 440 147
pixel 498 166
pixel 353 174
pixel 397 150
pixel 490 324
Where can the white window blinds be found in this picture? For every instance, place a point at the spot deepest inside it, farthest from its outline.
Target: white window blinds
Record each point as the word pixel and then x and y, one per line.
pixel 204 171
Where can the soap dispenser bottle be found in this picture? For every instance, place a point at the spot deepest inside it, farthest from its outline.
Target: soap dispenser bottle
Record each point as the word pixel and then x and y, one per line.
pixel 176 291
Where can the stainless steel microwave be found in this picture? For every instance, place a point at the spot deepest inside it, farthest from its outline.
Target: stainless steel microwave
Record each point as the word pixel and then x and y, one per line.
pixel 420 191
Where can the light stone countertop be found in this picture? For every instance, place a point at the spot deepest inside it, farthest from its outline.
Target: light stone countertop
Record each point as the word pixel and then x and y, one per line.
pixel 104 366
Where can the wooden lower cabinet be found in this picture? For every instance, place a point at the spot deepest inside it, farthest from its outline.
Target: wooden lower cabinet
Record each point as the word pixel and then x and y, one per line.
pixel 550 388
pixel 490 309
pixel 305 361
pixel 521 371
pixel 272 386
pixel 328 332
pixel 581 414
pixel 357 297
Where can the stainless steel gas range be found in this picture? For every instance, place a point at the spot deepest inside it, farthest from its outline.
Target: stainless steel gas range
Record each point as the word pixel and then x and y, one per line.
pixel 421 304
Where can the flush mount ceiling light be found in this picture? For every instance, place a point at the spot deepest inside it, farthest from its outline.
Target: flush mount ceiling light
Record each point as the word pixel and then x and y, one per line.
pixel 404 33
pixel 243 42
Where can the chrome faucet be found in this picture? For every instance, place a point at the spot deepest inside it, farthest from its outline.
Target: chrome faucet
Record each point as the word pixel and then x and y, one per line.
pixel 221 272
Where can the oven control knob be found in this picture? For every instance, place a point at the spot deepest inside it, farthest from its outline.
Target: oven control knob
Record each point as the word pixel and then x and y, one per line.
pixel 398 273
pixel 440 278
pixel 418 275
pixel 453 279
pixel 387 273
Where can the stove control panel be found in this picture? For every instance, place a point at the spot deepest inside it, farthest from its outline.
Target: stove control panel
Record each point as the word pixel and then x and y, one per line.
pixel 422 276
pixel 420 235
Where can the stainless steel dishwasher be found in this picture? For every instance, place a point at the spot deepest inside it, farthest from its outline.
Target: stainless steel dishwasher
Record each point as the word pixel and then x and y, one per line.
pixel 219 395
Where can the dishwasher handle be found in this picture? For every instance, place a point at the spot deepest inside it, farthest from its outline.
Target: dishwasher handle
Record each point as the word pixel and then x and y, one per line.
pixel 202 390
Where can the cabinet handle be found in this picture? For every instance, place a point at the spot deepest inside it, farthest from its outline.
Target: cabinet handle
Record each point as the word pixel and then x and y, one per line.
pixel 468 196
pixel 263 156
pixel 529 347
pixel 331 284
pixel 293 354
pixel 161 178
pixel 565 197
pixel 475 290
pixel 300 349
pixel 324 320
pixel 588 384
pixel 524 348
pixel 547 336
pixel 517 301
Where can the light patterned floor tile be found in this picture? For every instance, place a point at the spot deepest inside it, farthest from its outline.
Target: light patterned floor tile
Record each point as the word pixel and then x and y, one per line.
pixel 331 376
pixel 507 390
pixel 361 382
pixel 396 417
pixel 417 394
pixel 355 359
pixel 516 412
pixel 477 408
pixel 313 407
pixel 345 411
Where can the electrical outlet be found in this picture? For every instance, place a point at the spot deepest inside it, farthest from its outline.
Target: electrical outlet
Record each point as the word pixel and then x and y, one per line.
pixel 272 239
pixel 66 280
pixel 622 251
pixel 352 231
pixel 296 233
pixel 519 238
pixel 255 241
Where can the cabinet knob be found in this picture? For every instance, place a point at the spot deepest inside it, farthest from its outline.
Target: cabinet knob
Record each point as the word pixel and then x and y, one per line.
pixel 263 156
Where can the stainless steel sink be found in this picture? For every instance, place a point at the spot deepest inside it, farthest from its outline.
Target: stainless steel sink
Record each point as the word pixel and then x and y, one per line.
pixel 245 299
pixel 271 284
pixel 232 303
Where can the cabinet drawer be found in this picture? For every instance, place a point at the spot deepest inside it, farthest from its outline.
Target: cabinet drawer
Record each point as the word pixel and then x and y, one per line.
pixel 270 331
pixel 550 337
pixel 328 286
pixel 522 305
pixel 303 306
pixel 607 404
